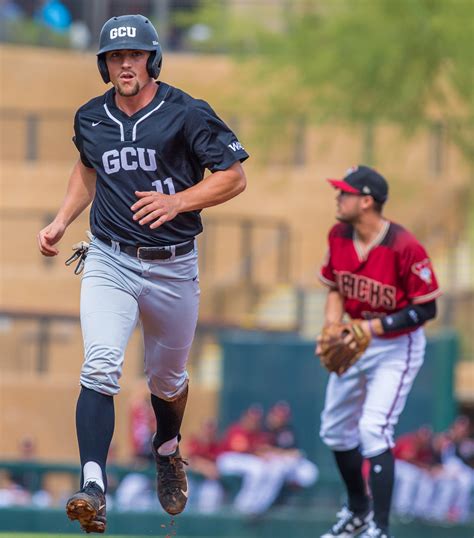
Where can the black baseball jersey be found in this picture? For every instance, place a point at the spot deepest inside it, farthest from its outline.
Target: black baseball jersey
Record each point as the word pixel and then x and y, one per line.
pixel 166 146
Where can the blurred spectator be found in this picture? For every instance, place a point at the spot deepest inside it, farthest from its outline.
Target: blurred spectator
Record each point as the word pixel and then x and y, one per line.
pixel 55 15
pixel 79 35
pixel 136 491
pixel 142 426
pixel 10 13
pixel 240 457
pixel 457 455
pixel 436 486
pixel 206 492
pixel 432 482
pixel 416 466
pixel 26 479
pixel 248 452
pixel 10 10
pixel 283 448
pixel 461 436
pixel 24 486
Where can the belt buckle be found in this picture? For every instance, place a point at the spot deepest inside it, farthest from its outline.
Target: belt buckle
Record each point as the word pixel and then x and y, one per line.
pixel 150 253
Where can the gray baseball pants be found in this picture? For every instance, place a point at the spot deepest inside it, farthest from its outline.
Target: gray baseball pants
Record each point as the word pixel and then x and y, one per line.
pixel 117 291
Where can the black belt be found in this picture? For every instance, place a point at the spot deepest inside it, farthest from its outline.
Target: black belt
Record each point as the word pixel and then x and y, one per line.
pixel 152 253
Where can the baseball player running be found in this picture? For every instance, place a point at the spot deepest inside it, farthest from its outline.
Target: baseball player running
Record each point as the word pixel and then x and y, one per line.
pixel 143 147
pixel 378 272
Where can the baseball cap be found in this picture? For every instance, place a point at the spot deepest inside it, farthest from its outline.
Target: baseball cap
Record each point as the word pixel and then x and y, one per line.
pixel 363 180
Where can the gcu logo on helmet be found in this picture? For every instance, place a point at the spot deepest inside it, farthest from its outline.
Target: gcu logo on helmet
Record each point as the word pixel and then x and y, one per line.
pixel 122 31
pixel 129 158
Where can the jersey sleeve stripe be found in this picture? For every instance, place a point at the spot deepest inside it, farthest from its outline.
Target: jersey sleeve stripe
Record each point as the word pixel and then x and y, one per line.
pixel 426 298
pixel 326 281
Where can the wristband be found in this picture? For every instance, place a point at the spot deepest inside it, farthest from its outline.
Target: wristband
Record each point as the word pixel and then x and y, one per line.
pixel 371 328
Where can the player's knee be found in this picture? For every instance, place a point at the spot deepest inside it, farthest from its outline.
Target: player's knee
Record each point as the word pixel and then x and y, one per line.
pixel 100 382
pixel 326 432
pixel 337 437
pixel 374 439
pixel 166 372
pixel 333 440
pixel 167 388
pixel 326 437
pixel 102 370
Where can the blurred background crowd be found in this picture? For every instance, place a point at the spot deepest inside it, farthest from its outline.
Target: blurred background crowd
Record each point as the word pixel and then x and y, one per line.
pixel 256 465
pixel 312 87
pixel 72 24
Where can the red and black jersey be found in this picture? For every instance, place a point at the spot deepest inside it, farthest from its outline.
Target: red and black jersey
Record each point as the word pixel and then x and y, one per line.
pixel 409 448
pixel 240 439
pixel 388 275
pixel 207 449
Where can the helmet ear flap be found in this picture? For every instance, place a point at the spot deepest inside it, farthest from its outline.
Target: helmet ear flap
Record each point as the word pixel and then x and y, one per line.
pixel 153 64
pixel 103 70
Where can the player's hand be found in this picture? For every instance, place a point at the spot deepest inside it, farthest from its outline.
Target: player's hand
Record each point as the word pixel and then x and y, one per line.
pixel 317 351
pixel 319 338
pixel 348 339
pixel 373 327
pixel 48 237
pixel 155 207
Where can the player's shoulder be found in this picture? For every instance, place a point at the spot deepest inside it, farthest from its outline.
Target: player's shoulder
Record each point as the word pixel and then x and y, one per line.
pixel 341 230
pixel 179 98
pixel 399 238
pixel 94 103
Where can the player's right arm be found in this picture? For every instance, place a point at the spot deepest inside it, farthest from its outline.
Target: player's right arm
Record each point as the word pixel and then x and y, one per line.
pixel 334 308
pixel 80 193
pixel 333 312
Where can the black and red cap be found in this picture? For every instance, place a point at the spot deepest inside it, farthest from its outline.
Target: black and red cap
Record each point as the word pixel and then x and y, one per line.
pixel 363 180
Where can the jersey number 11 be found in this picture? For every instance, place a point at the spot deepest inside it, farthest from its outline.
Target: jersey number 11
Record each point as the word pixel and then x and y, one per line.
pixel 159 184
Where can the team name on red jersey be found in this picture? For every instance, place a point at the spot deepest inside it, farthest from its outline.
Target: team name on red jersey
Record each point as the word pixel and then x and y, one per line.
pixel 366 290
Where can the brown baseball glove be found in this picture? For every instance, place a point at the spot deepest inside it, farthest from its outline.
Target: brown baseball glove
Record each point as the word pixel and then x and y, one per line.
pixel 341 345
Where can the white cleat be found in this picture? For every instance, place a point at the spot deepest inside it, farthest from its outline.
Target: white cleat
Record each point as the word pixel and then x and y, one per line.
pixel 348 524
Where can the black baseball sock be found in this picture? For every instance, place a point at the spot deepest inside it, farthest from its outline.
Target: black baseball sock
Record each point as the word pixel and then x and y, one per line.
pixel 169 415
pixel 381 483
pixel 350 467
pixel 95 419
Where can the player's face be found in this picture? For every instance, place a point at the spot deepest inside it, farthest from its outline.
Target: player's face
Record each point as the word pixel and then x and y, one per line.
pixel 348 207
pixel 127 70
pixel 351 207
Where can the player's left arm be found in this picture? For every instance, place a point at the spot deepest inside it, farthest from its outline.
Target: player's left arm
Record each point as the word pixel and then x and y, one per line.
pixel 413 315
pixel 157 208
pixel 419 283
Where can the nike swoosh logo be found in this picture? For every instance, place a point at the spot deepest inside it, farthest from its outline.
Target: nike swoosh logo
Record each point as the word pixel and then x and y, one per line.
pixel 185 493
pixel 100 507
pixel 95 123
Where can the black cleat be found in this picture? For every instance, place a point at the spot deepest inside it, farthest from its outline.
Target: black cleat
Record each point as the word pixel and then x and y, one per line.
pixel 349 524
pixel 88 507
pixel 171 481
